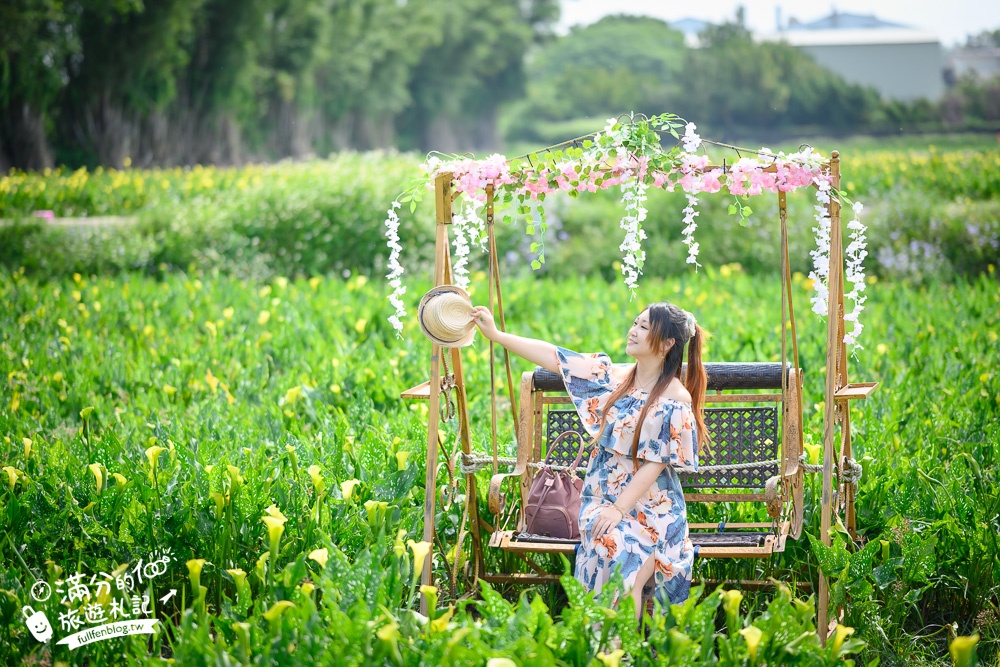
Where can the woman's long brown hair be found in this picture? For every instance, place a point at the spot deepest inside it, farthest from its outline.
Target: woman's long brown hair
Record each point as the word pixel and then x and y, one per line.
pixel 667 321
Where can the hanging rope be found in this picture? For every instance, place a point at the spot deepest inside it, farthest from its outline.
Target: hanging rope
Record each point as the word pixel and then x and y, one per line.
pixel 447 384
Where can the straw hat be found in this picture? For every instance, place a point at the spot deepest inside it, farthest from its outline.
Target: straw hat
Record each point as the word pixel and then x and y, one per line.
pixel 445 315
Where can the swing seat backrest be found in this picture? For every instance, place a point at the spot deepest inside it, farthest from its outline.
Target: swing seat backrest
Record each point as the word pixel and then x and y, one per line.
pixel 753 455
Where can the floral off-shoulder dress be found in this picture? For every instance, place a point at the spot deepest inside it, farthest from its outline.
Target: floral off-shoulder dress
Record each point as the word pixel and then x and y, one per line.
pixel 657 525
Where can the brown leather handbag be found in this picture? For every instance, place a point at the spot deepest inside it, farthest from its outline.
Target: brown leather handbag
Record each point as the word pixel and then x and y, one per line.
pixel 553 507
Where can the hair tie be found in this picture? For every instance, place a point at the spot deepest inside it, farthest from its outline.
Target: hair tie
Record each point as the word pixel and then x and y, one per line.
pixel 691 324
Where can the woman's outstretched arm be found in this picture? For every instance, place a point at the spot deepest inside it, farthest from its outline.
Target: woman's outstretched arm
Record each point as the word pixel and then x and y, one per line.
pixel 536 351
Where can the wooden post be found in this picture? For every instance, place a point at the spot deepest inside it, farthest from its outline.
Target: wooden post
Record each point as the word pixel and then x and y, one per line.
pixel 834 342
pixel 442 196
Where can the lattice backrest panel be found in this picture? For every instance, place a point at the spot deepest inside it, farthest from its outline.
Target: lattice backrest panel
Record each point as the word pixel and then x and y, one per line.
pixel 739 435
pixel 559 422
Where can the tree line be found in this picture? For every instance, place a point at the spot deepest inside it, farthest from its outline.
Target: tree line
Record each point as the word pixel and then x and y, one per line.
pixel 734 86
pixel 220 81
pixel 174 82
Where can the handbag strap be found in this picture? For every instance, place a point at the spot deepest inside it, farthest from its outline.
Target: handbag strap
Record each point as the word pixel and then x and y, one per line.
pixel 562 436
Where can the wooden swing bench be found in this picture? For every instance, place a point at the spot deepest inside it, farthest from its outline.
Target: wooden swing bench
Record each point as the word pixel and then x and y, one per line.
pixel 744 464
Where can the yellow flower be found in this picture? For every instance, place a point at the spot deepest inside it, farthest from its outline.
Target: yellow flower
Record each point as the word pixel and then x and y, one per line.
pixel 95 468
pixel 12 475
pixel 420 551
pixel 814 453
pixel 153 454
pixel 273 511
pixel 220 502
pixel 398 545
pixel 228 313
pixel 238 575
pixel 752 636
pixel 839 635
pixel 307 588
pixel 195 566
pixel 119 479
pixel 500 662
pixel 317 479
pixel 320 556
pixel 264 316
pixel 376 512
pixel 212 381
pixel 440 624
pixel 401 460
pixel 235 477
pixel 27 447
pixel 275 528
pixel 314 282
pixel 388 632
pixel 347 488
pixel 292 395
pixel 277 609
pixel 963 649
pixel 611 659
pixel 360 325
pixel 731 603
pixel 169 390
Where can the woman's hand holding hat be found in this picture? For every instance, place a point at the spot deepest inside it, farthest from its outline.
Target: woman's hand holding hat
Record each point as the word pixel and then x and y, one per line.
pixel 483 318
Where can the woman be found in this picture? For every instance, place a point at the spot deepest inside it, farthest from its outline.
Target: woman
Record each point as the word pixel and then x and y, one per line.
pixel 647 424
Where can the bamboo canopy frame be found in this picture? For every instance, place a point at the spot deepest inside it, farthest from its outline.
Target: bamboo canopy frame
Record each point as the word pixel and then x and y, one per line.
pixel 838 392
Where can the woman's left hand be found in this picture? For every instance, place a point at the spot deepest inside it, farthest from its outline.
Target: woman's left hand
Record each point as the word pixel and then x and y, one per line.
pixel 609 517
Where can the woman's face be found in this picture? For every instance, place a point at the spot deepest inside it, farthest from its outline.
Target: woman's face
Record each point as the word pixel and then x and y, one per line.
pixel 638 342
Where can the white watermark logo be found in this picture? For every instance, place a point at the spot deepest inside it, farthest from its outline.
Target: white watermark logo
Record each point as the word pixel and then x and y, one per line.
pixel 110 612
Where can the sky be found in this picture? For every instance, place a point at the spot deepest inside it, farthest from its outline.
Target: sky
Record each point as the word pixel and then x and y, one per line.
pixel 952 25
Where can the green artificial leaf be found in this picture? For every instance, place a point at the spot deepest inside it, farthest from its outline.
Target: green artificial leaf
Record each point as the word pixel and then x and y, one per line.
pixel 413 206
pixel 535 264
pixel 732 209
pixel 529 230
pixel 534 247
pixel 747 211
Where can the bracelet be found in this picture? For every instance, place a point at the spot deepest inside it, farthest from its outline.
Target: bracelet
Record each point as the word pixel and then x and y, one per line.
pixel 617 507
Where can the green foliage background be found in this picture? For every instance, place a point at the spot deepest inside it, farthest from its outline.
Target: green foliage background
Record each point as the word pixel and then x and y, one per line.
pixel 239 323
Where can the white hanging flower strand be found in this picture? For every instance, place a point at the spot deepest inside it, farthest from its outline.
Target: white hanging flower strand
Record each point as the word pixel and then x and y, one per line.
pixel 690 213
pixel 854 257
pixel 633 256
pixel 395 275
pixel 462 226
pixel 623 155
pixel 821 255
pixel 691 139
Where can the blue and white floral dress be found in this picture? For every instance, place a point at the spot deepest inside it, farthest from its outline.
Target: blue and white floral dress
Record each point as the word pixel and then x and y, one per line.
pixel 657 525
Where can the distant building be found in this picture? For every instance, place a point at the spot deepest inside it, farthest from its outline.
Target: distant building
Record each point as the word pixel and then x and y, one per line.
pixel 900 62
pixel 982 61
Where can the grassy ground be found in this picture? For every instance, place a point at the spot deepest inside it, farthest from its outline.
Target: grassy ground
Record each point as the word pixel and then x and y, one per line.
pixel 215 399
